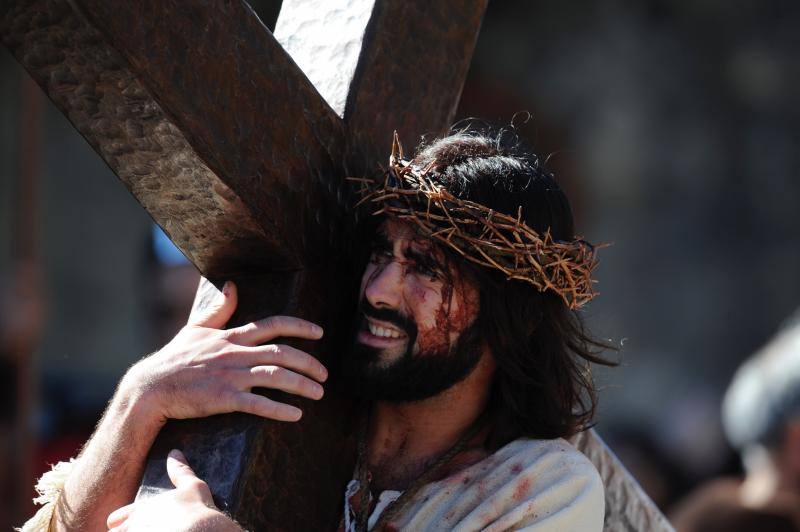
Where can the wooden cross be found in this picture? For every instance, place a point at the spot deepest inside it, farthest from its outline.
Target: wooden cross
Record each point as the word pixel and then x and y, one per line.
pixel 237 141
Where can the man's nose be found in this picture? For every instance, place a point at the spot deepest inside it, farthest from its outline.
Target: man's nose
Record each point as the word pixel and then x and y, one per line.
pixel 384 285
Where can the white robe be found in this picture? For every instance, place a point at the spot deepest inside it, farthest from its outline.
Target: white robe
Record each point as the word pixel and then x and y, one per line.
pixel 526 485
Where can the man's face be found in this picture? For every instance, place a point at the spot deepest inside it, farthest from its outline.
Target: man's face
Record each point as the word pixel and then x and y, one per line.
pixel 414 333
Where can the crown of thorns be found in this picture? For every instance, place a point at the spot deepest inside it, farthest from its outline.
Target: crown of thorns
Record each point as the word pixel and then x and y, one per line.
pixel 480 234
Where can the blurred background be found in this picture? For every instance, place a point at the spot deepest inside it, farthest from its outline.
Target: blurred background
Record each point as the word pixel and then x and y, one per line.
pixel 672 124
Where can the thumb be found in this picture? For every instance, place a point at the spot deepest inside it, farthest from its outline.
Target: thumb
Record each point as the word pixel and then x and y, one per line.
pixel 213 308
pixel 182 476
pixel 179 471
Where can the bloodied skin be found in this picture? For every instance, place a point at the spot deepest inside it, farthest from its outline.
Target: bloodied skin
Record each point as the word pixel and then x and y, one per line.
pixel 409 274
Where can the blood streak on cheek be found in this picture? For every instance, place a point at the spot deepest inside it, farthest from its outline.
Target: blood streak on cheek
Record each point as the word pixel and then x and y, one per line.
pixel 465 312
pixel 437 339
pixel 457 309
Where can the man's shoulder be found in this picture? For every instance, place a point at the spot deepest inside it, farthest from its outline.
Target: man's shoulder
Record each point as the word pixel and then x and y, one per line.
pixel 545 484
pixel 553 461
pixel 526 484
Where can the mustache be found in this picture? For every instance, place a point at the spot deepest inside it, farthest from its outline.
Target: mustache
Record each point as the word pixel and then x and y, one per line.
pixel 401 322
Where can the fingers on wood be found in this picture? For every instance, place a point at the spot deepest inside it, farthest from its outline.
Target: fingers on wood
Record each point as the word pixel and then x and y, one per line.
pixel 214 307
pixel 179 470
pixel 288 357
pixel 273 327
pixel 278 378
pixel 258 405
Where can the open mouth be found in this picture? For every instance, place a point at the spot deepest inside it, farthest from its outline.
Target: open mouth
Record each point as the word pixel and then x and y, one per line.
pixel 380 334
pixel 383 332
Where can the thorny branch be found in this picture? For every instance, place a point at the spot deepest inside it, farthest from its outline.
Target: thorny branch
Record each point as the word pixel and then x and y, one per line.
pixel 482 235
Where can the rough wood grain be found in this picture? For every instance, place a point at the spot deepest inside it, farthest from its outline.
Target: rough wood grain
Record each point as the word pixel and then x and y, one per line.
pixel 246 109
pixel 111 101
pixel 91 83
pixel 384 66
pixel 628 508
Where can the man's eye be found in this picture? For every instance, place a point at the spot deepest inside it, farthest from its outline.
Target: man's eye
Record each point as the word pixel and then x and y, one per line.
pixel 381 255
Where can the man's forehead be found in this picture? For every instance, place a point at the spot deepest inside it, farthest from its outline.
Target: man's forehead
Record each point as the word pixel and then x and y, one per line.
pixel 395 230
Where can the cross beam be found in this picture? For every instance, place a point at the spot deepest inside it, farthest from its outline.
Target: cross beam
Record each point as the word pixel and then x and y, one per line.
pixel 223 139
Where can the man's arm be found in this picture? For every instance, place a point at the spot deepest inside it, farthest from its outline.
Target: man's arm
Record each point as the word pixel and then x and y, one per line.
pixel 108 471
pixel 203 371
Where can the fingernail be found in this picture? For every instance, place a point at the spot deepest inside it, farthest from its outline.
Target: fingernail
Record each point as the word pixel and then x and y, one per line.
pixel 176 454
pixel 318 330
pixel 226 288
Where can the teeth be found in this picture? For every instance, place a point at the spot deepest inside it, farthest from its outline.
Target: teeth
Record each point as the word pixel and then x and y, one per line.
pixel 381 331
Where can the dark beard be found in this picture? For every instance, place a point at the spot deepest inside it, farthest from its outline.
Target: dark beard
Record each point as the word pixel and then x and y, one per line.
pixel 413 377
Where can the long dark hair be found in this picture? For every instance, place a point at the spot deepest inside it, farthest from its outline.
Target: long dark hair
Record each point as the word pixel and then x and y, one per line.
pixel 543 386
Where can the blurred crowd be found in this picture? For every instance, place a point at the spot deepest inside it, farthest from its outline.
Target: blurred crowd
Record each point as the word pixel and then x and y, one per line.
pixel 761 416
pixel 41 423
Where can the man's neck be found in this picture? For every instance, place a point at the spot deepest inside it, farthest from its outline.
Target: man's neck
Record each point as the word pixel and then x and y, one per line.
pixel 405 438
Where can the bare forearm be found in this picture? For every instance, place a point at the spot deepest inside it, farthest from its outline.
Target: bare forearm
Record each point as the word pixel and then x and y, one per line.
pixel 109 469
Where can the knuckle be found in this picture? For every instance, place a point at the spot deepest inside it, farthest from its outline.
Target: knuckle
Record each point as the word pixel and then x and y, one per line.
pixel 277 352
pixel 306 385
pixel 269 372
pixel 312 363
pixel 236 333
pixel 267 409
pixel 197 484
pixel 298 382
pixel 244 402
pixel 230 334
pixel 224 352
pixel 277 373
pixel 299 358
pixel 260 406
pixel 273 322
pixel 314 366
pixel 205 491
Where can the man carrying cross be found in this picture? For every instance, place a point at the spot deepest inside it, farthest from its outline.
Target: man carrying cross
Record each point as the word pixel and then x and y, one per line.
pixel 466 351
